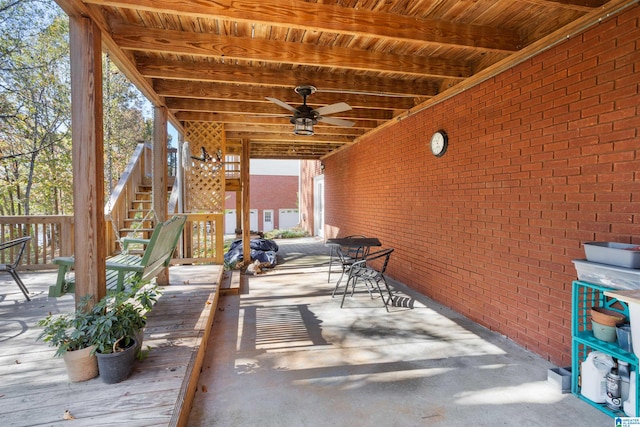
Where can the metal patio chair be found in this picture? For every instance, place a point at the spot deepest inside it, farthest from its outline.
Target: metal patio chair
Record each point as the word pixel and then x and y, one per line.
pixel 372 274
pixel 346 256
pixel 10 248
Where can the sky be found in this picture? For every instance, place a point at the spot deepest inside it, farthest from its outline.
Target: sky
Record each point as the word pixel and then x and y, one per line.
pixel 274 167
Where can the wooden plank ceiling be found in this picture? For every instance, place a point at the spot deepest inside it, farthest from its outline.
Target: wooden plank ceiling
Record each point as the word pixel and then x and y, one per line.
pixel 219 61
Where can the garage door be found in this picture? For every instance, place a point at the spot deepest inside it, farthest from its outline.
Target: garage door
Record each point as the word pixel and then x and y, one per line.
pixel 230 221
pixel 288 218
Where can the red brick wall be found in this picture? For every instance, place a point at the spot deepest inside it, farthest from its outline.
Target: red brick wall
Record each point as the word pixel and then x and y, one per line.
pixel 269 192
pixel 541 158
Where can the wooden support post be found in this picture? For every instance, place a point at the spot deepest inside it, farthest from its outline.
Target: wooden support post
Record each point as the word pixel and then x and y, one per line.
pixel 160 174
pixel 238 211
pixel 180 173
pixel 88 157
pixel 180 176
pixel 246 199
pixel 66 238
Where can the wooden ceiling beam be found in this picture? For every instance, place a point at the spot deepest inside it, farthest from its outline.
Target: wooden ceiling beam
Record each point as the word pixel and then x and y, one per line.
pixel 318 17
pixel 323 79
pixel 268 153
pixel 308 142
pixel 272 156
pixel 263 108
pixel 194 116
pixel 131 37
pixel 287 128
pixel 580 5
pixel 294 146
pixel 226 92
pixel 288 137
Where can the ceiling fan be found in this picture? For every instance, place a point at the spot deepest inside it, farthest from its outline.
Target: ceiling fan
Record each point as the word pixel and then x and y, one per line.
pixel 304 117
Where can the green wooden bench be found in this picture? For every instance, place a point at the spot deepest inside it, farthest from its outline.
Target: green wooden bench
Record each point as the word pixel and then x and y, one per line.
pixel 125 269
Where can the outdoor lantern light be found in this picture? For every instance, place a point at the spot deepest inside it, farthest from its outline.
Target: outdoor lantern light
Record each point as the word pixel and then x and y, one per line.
pixel 303 126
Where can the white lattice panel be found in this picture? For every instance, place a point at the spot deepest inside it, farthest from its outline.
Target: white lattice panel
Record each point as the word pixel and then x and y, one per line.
pixel 205 176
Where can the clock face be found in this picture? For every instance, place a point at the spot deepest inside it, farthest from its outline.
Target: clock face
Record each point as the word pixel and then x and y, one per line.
pixel 439 142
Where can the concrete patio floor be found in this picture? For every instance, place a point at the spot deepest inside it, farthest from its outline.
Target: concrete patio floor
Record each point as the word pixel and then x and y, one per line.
pixel 283 353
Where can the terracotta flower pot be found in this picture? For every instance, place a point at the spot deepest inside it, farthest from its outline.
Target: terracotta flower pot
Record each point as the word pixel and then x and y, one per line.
pixel 81 364
pixel 607 317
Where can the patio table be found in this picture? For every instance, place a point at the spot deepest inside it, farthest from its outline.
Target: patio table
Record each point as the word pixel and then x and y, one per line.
pixel 358 248
pixel 361 242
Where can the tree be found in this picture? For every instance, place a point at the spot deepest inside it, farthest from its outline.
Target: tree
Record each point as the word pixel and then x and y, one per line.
pixel 35 111
pixel 34 89
pixel 124 124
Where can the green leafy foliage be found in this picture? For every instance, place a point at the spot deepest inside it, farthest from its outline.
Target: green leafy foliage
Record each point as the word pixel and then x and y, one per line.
pixel 36 106
pixel 118 317
pixel 290 233
pixel 35 112
pixel 124 122
pixel 110 324
pixel 68 331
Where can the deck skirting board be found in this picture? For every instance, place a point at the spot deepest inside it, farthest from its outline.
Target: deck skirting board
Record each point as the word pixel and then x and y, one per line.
pixel 181 412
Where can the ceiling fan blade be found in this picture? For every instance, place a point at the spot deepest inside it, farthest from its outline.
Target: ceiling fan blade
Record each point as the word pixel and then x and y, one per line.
pixel 282 104
pixel 336 121
pixel 333 108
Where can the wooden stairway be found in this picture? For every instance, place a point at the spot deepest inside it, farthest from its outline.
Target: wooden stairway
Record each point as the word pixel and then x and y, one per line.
pixel 140 222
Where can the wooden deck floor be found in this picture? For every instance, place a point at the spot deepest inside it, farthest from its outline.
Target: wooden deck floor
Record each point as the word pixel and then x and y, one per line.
pixel 34 389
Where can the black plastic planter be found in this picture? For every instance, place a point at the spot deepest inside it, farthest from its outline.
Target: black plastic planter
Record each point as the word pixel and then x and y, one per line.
pixel 116 367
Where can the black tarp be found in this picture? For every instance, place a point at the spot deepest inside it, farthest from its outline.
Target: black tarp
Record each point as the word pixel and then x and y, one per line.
pixel 262 250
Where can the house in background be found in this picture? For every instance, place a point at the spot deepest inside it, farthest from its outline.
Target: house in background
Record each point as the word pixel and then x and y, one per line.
pixel 274 197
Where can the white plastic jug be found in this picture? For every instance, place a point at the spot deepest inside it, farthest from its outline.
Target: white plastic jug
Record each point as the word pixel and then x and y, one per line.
pixel 625 375
pixel 594 371
pixel 629 405
pixel 634 319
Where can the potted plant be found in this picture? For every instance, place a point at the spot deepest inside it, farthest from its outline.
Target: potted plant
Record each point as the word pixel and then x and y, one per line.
pixel 145 295
pixel 118 319
pixel 70 333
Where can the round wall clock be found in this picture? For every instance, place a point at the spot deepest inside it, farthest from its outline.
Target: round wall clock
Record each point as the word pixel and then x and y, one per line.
pixel 439 142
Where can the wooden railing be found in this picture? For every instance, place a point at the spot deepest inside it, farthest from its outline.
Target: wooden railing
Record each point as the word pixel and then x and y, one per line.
pixel 202 240
pixel 117 207
pixel 51 236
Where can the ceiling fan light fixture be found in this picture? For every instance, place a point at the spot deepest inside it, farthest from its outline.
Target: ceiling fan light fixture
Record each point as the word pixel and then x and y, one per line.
pixel 303 126
pixel 305 117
